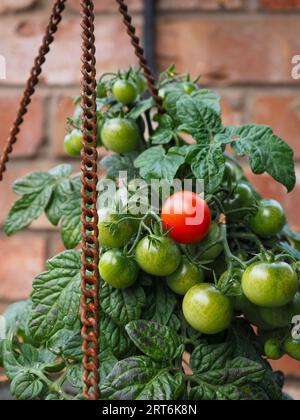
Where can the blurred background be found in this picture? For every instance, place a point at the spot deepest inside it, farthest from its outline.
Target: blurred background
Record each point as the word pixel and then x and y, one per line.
pixel 243 48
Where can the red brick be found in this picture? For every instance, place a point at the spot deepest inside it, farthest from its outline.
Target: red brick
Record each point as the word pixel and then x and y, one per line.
pixel 32 130
pixel 234 50
pixel 22 258
pixel 269 188
pixel 108 5
pixel 137 5
pixel 287 365
pixel 280 4
pixel 199 4
pixel 231 111
pixel 282 113
pixel 23 38
pixel 8 6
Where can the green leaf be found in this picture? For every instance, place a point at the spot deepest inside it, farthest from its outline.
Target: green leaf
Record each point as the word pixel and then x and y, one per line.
pixel 27 209
pixel 56 296
pixel 220 377
pixel 116 337
pixel 26 386
pixel 32 183
pixel 61 193
pixel 156 163
pixel 71 222
pixel 140 108
pixel 161 303
pixel 115 164
pixel 208 98
pixel 209 166
pixel 61 171
pixel 123 305
pixel 140 378
pixel 67 343
pixel 165 131
pixel 200 121
pixel 108 360
pixel 154 340
pixel 266 152
pixel 75 375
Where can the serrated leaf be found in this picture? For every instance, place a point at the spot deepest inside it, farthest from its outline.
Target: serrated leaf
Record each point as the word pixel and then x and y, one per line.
pixel 61 171
pixel 157 341
pixel 209 166
pixel 160 305
pixel 67 343
pixel 164 132
pixel 123 306
pixel 71 222
pixel 266 152
pixel 116 337
pixel 26 386
pixel 32 183
pixel 115 164
pixel 156 163
pixel 140 108
pixel 140 378
pixel 56 296
pixel 200 121
pixel 208 98
pixel 75 375
pixel 27 209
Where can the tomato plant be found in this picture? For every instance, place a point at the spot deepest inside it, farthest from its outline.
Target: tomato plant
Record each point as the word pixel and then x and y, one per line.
pixel 181 273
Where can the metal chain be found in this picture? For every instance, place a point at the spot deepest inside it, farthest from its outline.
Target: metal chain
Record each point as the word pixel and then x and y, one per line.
pixel 90 301
pixel 139 51
pixel 32 82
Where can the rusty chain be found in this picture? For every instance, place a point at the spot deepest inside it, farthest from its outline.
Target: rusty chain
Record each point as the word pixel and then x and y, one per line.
pixel 32 82
pixel 90 301
pixel 139 51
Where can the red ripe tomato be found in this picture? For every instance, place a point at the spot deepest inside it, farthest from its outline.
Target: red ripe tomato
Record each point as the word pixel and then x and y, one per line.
pixel 187 216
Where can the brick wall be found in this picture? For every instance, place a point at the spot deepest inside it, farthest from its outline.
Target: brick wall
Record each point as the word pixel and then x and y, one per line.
pixel 243 48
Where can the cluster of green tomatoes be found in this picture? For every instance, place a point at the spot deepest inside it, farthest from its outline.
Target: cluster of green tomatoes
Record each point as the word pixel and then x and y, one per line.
pixel 118 134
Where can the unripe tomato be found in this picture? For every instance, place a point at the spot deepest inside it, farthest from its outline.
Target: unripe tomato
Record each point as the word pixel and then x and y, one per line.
pixel 101 90
pixel 292 348
pixel 141 83
pixel 125 91
pixel 187 216
pixel 269 219
pixel 159 256
pixel 207 310
pixel 185 277
pixel 120 135
pixel 273 349
pixel 270 285
pixel 118 270
pixel 112 234
pixel 212 252
pixel 242 198
pixel 73 143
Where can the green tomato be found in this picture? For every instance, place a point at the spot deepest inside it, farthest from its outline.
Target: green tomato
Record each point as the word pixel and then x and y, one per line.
pixel 273 349
pixel 243 197
pixel 230 174
pixel 277 317
pixel 211 252
pixel 112 234
pixel 185 277
pixel 159 256
pixel 73 143
pixel 118 270
pixel 120 135
pixel 125 91
pixel 141 83
pixel 101 90
pixel 207 310
pixel 269 220
pixel 292 348
pixel 270 285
